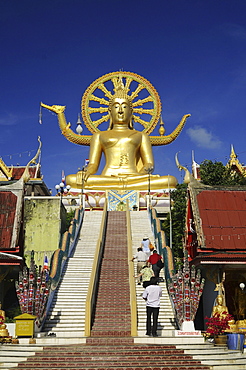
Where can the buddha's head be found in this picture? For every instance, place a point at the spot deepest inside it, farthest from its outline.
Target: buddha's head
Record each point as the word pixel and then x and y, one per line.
pixel 120 106
pixel 120 111
pixel 220 299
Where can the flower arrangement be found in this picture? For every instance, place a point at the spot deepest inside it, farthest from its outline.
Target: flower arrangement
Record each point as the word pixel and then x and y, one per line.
pixel 218 323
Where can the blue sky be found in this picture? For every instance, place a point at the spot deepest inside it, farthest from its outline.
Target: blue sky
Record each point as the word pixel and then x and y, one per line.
pixel 193 52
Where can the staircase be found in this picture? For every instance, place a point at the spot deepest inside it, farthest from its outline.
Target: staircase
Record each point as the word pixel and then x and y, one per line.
pixel 113 314
pixel 140 225
pixel 66 317
pixel 110 345
pixel 114 356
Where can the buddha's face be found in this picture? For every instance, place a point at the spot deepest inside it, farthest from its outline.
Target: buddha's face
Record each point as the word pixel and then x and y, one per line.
pixel 220 300
pixel 121 111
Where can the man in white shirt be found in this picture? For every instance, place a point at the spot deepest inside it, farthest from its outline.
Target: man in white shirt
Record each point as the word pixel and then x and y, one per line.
pixel 141 258
pixel 152 295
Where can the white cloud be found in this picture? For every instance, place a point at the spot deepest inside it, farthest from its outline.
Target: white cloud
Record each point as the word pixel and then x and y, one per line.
pixel 203 138
pixel 235 30
pixel 8 120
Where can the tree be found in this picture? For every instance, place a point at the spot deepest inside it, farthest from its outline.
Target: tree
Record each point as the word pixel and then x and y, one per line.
pixel 69 217
pixel 235 178
pixel 213 174
pixel 216 174
pixel 178 213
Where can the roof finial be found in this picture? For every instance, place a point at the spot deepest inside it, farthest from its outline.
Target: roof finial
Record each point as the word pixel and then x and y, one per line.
pixel 233 154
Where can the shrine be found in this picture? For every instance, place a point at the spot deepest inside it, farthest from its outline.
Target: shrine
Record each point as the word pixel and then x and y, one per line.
pixel 65 294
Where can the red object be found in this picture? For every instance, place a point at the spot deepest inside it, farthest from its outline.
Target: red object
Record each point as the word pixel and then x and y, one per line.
pixel 8 202
pixel 154 258
pixel 223 215
pixel 216 226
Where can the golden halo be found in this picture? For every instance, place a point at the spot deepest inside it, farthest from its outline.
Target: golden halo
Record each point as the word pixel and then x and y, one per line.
pixel 146 102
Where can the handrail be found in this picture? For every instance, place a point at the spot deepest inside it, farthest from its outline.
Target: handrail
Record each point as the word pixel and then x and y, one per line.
pixel 163 249
pixel 133 301
pixel 65 250
pixel 92 288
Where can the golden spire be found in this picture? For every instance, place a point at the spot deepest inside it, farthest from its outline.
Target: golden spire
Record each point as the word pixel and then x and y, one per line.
pixel 233 154
pixel 161 129
pixel 233 161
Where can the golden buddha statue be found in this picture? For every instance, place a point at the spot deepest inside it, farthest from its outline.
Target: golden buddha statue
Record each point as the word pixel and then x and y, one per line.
pixel 241 324
pixel 128 152
pixel 220 308
pixel 3 331
pixel 232 326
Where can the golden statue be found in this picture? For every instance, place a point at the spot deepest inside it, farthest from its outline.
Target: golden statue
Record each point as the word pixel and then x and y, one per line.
pixel 2 312
pixel 220 308
pixel 3 328
pixel 232 326
pixel 128 152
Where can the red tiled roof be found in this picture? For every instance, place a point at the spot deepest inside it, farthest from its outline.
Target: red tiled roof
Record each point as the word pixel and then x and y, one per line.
pixel 18 172
pixel 217 258
pixel 223 216
pixel 225 254
pixel 8 202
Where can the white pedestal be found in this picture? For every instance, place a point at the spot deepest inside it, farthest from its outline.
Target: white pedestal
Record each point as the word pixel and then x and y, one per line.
pixel 188 326
pixel 11 328
pixel 187 329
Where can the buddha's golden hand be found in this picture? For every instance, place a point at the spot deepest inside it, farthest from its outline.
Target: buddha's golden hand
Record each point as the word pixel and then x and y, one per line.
pixel 54 108
pixel 147 169
pixel 86 174
pixel 89 170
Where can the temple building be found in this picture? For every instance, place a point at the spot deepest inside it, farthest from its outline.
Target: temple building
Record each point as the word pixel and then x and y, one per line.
pixel 13 189
pixel 216 240
pixel 232 163
pixel 33 223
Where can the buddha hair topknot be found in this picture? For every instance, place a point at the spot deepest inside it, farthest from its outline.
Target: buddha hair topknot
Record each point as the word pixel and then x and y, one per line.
pixel 121 91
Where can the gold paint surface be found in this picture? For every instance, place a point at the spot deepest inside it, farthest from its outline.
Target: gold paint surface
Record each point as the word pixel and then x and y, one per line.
pixel 120 97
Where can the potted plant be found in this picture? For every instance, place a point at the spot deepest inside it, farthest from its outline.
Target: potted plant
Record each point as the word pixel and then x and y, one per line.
pixel 217 325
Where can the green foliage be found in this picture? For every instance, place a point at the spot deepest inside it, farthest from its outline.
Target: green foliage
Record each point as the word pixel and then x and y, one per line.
pixel 213 174
pixel 216 174
pixel 11 313
pixel 9 320
pixel 69 217
pixel 178 213
pixel 235 178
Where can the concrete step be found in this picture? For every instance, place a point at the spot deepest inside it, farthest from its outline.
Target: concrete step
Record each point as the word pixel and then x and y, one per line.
pixel 66 316
pixel 140 221
pixel 68 307
pixel 229 367
pixel 66 336
pixel 66 329
pixel 64 304
pixel 69 325
pixel 66 310
pixel 65 320
pixel 11 354
pixel 71 296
